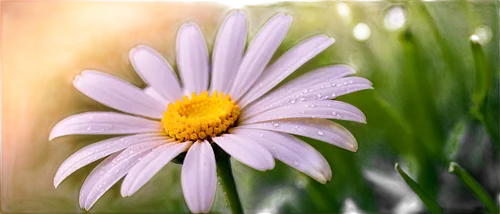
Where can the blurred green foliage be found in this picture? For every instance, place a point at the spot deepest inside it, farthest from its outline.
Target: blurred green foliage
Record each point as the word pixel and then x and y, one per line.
pixel 435 101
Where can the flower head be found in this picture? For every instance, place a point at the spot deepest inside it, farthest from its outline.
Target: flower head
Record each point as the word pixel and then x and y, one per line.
pixel 232 102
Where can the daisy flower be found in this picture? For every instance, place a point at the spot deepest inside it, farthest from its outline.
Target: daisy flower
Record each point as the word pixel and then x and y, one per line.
pixel 232 102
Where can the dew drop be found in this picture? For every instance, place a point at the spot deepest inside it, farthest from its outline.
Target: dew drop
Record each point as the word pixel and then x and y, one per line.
pixel 89 128
pixel 276 124
pixel 305 91
pixel 293 101
pixel 333 84
pixel 302 99
pixel 318 95
pixel 312 105
pixel 302 111
pixel 334 113
pixel 319 132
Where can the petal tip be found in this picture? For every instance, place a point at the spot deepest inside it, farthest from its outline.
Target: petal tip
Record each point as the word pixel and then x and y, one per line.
pixel 52 135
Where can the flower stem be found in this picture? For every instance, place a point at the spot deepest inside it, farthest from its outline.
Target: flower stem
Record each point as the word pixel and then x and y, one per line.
pixel 225 174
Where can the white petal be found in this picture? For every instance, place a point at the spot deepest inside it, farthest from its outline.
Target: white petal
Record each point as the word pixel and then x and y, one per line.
pixel 331 109
pixel 246 151
pixel 101 123
pixel 285 65
pixel 291 151
pixel 192 58
pixel 228 50
pixel 283 93
pixel 316 128
pixel 199 177
pixel 154 94
pixel 101 149
pixel 149 165
pixel 156 72
pixel 117 94
pixel 259 52
pixel 108 172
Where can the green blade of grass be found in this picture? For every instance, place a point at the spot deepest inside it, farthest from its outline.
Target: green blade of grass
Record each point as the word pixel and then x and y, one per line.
pixel 430 203
pixel 474 186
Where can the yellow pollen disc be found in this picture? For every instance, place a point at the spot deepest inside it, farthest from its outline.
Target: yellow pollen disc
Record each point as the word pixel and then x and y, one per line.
pixel 200 116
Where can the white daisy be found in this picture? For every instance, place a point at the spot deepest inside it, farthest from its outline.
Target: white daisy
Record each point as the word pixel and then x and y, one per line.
pixel 241 111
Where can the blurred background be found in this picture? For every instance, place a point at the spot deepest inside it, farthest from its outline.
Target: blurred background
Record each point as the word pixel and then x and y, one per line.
pixel 434 67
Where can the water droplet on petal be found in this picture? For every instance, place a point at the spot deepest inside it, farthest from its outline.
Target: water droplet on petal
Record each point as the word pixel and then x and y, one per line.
pixel 305 90
pixel 334 113
pixel 312 106
pixel 333 84
pixel 293 101
pixel 318 95
pixel 89 128
pixel 276 124
pixel 320 133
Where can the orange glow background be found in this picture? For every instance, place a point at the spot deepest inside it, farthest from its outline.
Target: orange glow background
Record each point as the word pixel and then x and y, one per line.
pixel 44 46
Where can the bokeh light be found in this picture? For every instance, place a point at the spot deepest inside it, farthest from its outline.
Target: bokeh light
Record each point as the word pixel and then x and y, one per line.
pixel 394 18
pixel 343 9
pixel 362 32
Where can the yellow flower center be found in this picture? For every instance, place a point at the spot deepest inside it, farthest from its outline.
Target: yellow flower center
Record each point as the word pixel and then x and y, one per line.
pixel 200 117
